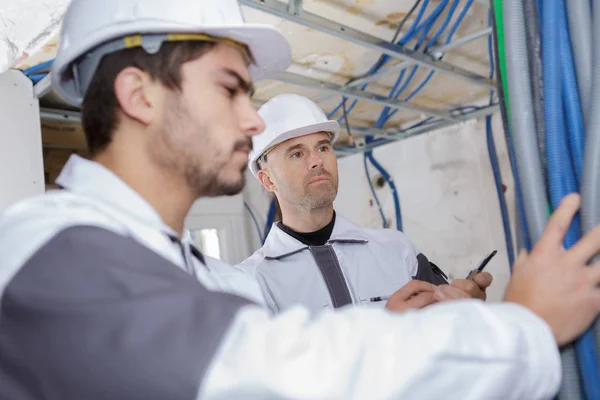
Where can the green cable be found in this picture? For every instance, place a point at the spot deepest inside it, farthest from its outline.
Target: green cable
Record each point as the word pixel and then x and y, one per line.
pixel 499 14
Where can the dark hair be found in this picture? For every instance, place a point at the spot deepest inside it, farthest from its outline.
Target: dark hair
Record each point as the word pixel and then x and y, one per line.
pixel 99 115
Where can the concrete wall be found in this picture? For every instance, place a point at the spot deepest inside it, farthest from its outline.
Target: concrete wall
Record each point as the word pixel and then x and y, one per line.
pixel 449 204
pixel 21 165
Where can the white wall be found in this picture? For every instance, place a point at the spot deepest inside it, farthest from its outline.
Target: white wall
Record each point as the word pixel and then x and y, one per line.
pixel 21 163
pixel 448 198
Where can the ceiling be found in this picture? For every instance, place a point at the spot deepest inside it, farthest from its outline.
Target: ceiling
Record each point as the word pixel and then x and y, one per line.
pixel 327 54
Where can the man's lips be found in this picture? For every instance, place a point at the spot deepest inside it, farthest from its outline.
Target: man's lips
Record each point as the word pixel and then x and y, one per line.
pixel 319 178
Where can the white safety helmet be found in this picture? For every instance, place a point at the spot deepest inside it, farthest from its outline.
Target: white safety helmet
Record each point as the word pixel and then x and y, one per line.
pixel 288 116
pixel 94 28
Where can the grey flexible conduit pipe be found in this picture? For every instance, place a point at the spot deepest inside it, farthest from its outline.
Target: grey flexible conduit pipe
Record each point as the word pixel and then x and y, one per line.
pixel 570 388
pixel 579 14
pixel 534 53
pixel 522 120
pixel 590 180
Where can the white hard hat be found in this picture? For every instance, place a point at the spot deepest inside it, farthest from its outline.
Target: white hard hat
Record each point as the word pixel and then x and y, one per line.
pixel 93 28
pixel 289 116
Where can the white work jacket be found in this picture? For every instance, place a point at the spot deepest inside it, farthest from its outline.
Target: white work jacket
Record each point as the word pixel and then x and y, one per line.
pixel 357 266
pixel 99 301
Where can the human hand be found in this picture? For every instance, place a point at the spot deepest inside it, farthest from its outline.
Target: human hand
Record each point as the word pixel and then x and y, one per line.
pixel 556 284
pixel 475 288
pixel 414 295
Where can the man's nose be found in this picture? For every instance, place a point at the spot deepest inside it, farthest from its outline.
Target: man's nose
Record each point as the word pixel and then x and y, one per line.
pixel 315 161
pixel 251 123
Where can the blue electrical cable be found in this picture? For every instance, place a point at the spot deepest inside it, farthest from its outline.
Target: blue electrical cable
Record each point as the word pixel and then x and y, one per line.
pixel 459 20
pixel 407 36
pixel 560 174
pixel 442 28
pixel 426 26
pixel 270 218
pixel 571 101
pixel 392 185
pixel 37 77
pixel 383 221
pixel 385 115
pixel 38 67
pixel 414 28
pixel 491 146
pixel 369 156
pixel 262 240
pixel 448 40
pixel 396 90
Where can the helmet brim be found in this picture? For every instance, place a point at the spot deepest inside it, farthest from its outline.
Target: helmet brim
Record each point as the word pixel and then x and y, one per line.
pixel 269 48
pixel 331 126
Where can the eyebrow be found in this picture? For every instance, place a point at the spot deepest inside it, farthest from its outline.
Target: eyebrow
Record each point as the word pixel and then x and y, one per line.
pixel 294 147
pixel 246 86
pixel 323 141
pixel 302 146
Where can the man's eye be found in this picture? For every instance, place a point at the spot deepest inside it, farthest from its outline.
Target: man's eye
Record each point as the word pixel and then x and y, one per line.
pixel 295 154
pixel 231 91
pixel 324 148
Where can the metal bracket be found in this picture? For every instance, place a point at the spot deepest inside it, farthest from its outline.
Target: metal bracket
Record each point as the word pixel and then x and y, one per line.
pixel 328 87
pixel 317 22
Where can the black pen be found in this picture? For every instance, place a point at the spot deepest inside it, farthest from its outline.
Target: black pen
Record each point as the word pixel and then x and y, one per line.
pixel 481 266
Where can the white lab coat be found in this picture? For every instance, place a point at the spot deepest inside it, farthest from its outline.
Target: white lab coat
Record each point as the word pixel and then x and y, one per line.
pixel 374 263
pixel 462 350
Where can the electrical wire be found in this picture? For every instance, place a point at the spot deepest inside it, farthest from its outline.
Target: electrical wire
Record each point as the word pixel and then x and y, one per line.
pixel 260 236
pixel 383 59
pixel 270 218
pixel 39 67
pixel 368 155
pixel 495 163
pixel 383 219
pixel 425 81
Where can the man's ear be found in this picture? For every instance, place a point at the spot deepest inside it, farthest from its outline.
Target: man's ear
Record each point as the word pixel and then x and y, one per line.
pixel 265 179
pixel 138 95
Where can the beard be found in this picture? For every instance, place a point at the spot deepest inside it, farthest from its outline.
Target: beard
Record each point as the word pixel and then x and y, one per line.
pixel 187 149
pixel 322 198
pixel 311 198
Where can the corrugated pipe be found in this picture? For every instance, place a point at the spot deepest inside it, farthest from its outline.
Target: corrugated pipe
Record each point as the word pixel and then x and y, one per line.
pixel 534 47
pixel 522 120
pixel 590 180
pixel 562 166
pixel 554 124
pixel 522 236
pixel 572 106
pixel 579 15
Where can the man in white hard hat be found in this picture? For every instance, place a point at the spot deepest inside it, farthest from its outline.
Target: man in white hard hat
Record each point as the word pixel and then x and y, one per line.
pixel 319 259
pixel 102 295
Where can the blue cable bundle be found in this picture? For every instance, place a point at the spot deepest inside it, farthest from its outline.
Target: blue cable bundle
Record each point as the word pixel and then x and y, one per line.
pixel 36 73
pixel 564 148
pixel 396 91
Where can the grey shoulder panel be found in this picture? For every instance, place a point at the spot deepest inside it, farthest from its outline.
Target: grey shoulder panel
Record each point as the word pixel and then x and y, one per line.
pixel 429 272
pixel 333 275
pixel 96 315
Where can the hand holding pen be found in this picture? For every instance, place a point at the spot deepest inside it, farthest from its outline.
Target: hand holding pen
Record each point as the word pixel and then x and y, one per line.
pixel 459 288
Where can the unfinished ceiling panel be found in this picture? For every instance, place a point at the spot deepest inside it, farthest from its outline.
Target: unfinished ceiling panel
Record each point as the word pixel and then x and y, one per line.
pixel 342 49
